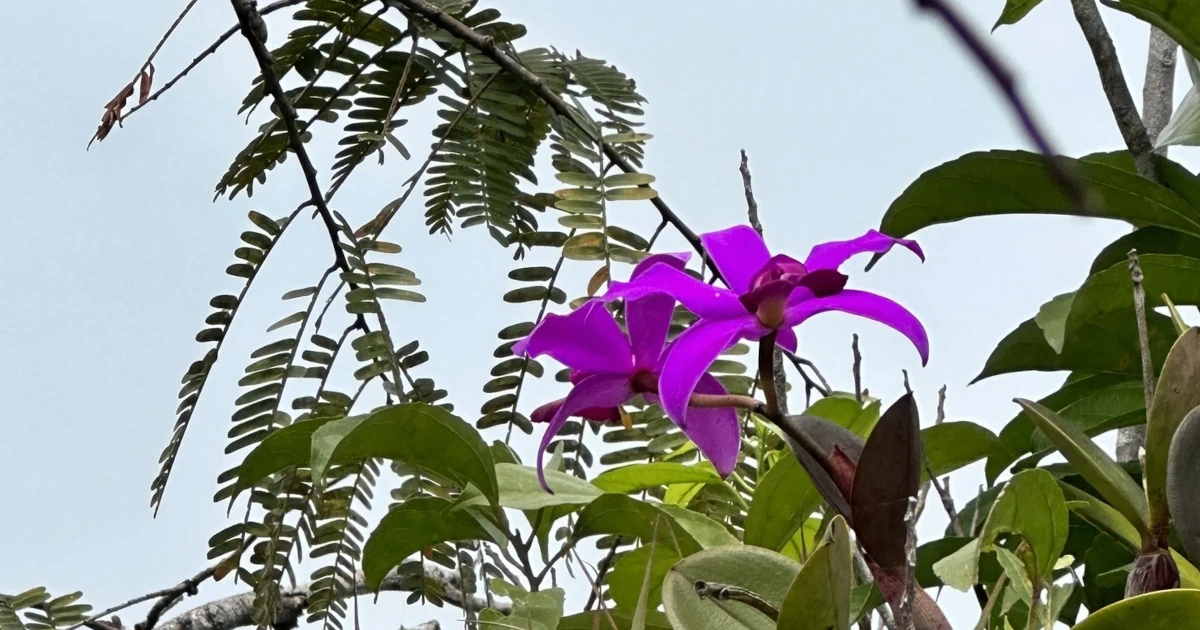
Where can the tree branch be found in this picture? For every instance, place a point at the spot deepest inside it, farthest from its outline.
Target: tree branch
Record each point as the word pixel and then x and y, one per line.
pixel 488 47
pixel 237 611
pixel 1159 90
pixel 1112 80
pixel 224 37
pixel 1080 196
pixel 1127 450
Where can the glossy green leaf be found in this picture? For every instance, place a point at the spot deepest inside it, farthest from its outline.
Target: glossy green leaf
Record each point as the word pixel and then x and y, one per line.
pixel 1017 182
pixel 819 598
pixel 1014 10
pixel 638 477
pixel 1162 610
pixel 631 518
pixel 1090 461
pixel 409 528
pixel 1176 394
pixel 1106 519
pixel 622 617
pixel 765 573
pixel 952 445
pixel 625 581
pixel 286 447
pixel 422 436
pixel 705 531
pixel 1179 19
pixel 520 489
pixel 782 502
pixel 844 410
pixel 1032 506
pixel 531 611
pixel 1147 240
pixel 1052 319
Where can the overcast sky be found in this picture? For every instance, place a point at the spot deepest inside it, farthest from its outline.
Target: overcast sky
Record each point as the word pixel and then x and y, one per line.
pixel 113 254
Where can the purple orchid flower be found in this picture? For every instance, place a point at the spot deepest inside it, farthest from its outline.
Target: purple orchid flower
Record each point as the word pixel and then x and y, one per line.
pixel 767 294
pixel 608 369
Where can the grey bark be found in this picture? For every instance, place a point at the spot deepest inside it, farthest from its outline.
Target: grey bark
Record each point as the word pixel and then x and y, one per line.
pixel 1157 104
pixel 237 611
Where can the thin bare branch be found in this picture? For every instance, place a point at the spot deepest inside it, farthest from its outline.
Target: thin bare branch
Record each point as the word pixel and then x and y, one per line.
pixel 1112 80
pixel 488 47
pixel 1131 442
pixel 1070 184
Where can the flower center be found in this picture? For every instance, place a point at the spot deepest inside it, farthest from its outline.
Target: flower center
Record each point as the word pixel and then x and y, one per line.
pixel 771 288
pixel 645 382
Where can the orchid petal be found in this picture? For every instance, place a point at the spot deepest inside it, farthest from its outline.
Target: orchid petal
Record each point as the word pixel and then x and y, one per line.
pixel 675 259
pixel 786 339
pixel 586 339
pixel 648 319
pixel 596 391
pixel 688 359
pixel 864 304
pixel 546 412
pixel 831 255
pixel 738 252
pixel 707 301
pixel 715 431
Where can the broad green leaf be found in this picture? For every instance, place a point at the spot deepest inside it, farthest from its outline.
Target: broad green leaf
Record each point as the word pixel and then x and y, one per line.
pixel 1018 182
pixel 704 530
pixel 932 552
pixel 1147 240
pixel 1090 461
pixel 1014 10
pixel 764 573
pixel 847 412
pixel 325 440
pixel 888 475
pixel 1110 291
pixel 1106 519
pixel 531 611
pixel 638 477
pixel 819 598
pixel 1176 394
pixel 411 527
pixel 520 489
pixel 1089 401
pixel 1179 19
pixel 952 445
pixel 625 581
pixel 629 517
pixel 1161 610
pixel 286 447
pixel 622 617
pixel 1107 344
pixel 783 500
pixel 1184 126
pixel 804 541
pixel 960 570
pixel 1015 570
pixel 1032 506
pixel 422 436
pixel 1052 319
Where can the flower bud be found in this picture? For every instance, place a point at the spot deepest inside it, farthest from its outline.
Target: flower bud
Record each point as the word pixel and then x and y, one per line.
pixel 1154 570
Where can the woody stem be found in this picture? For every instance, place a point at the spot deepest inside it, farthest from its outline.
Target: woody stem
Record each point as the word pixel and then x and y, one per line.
pixel 766 374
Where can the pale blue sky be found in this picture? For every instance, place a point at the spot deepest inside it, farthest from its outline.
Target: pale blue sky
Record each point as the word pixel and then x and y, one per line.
pixel 113 253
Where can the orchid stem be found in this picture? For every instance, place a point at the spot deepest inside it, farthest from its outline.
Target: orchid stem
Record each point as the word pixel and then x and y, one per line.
pixel 766 373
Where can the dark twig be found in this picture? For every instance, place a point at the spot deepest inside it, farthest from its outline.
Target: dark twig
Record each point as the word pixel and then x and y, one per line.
pixel 274 6
pixel 904 613
pixel 822 386
pixel 776 369
pixel 247 17
pixel 857 368
pixel 168 598
pixel 725 592
pixel 1003 78
pixel 602 569
pixel 1112 80
pixel 488 47
pixel 1128 451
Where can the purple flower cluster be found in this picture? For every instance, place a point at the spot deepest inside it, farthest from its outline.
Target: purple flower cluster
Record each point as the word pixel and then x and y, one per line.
pixel 767 295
